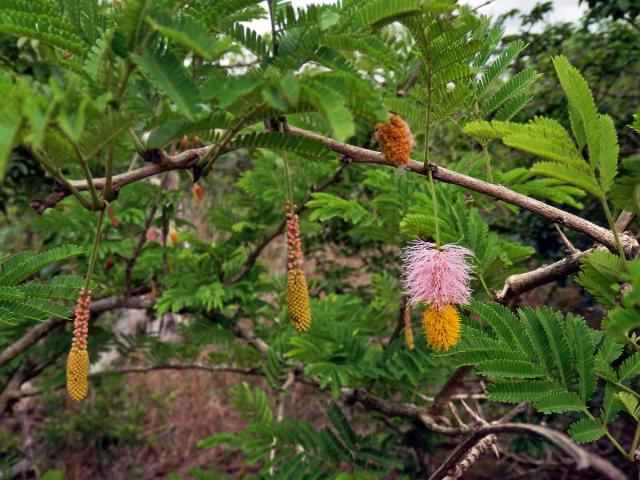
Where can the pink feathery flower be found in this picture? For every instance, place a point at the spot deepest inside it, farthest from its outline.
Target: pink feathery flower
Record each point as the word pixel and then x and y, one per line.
pixel 436 277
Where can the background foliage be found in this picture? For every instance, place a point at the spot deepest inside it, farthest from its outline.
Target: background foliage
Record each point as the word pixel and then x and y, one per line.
pixel 206 378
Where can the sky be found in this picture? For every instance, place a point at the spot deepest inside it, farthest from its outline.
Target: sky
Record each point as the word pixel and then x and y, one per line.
pixel 563 11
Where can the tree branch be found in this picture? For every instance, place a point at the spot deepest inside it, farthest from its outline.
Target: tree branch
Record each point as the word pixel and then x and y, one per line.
pixel 556 215
pixel 582 458
pixel 523 282
pixel 160 162
pixel 164 162
pixel 449 389
pixel 186 366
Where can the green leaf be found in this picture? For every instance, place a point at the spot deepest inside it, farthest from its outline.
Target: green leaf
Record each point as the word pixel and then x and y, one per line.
pixel 608 352
pixel 246 37
pixel 188 32
pixel 341 424
pixel 253 405
pixel 23 265
pixel 167 74
pixel 510 368
pixel 582 346
pixel 23 19
pixel 560 402
pixel 514 87
pixel 326 206
pixel 377 13
pixel 11 293
pixel 610 405
pixel 513 106
pixel 620 322
pixel 625 193
pixel 102 132
pixel 131 21
pixel 606 157
pixel 553 326
pixel 516 392
pixel 587 430
pixel 584 116
pixel 332 106
pixel 498 66
pixel 549 148
pixel 306 147
pixel 600 274
pixel 569 175
pixel 629 404
pixel 630 368
pixel 10 121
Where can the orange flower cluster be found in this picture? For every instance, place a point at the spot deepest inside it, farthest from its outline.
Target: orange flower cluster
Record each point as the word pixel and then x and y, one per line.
pixel 442 327
pixel 395 140
pixel 78 358
pixel 297 290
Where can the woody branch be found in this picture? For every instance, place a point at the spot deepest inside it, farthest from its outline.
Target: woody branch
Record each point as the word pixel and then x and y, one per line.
pixel 185 160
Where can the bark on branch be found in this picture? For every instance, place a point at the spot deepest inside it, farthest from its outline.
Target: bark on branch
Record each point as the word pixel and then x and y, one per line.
pixel 499 192
pixel 164 162
pixel 582 458
pixel 523 282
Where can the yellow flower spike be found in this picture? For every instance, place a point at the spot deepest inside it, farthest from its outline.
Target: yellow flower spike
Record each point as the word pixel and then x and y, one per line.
pixel 298 300
pixel 78 373
pixel 442 327
pixel 408 331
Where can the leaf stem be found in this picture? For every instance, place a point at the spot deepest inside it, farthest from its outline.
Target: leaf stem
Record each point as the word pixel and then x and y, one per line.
pixel 57 174
pixel 615 443
pixel 634 444
pixel 620 386
pixel 85 170
pixel 611 438
pixel 108 181
pixel 94 249
pixel 272 19
pixel 434 201
pixel 487 162
pixel 614 231
pixel 287 178
pixel 212 155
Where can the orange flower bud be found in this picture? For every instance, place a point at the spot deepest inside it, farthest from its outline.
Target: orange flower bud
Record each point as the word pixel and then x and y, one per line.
pixel 198 192
pixel 395 140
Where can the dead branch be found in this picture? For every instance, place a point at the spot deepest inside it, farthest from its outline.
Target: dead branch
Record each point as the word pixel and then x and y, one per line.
pixel 448 390
pixel 523 282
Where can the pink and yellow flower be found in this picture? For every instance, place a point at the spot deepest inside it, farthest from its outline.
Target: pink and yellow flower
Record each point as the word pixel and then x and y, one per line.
pixel 440 278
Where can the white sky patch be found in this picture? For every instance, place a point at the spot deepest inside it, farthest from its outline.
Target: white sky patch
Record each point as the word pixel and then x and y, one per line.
pixel 563 11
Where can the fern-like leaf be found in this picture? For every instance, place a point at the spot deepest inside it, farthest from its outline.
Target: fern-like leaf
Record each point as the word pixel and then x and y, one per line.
pixel 23 265
pixel 516 392
pixel 581 338
pixel 167 74
pixel 560 402
pixel 306 147
pixel 587 430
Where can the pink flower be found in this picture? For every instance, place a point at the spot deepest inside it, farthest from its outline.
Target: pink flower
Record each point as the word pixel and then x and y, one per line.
pixel 153 234
pixel 436 277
